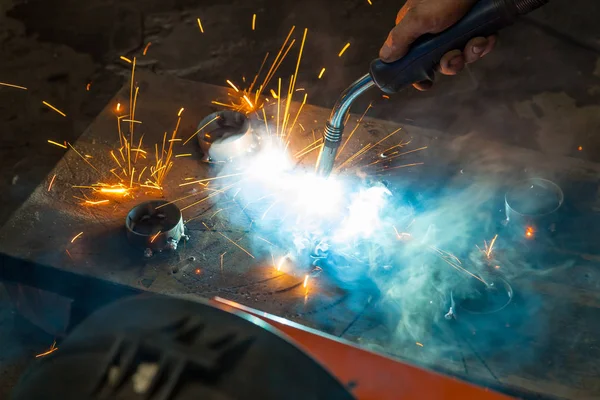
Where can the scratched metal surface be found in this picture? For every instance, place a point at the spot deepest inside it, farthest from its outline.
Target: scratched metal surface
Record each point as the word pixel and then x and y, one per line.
pixel 565 292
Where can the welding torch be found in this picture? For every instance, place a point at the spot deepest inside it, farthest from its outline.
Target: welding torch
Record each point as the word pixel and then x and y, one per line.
pixel 484 19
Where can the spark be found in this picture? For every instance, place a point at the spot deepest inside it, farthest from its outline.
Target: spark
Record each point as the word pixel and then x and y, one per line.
pixel 253 21
pixel 237 245
pixel 133 121
pixel 266 123
pixel 397 233
pixel 141 173
pixel 200 26
pixel 153 238
pixel 357 156
pixel 274 94
pixel 355 128
pixel 292 87
pixel 317 147
pixel 82 157
pixel 249 102
pixel 278 104
pixel 53 108
pixel 51 182
pixel 222 255
pixel 199 129
pixel 183 155
pixel 127 60
pixel 400 166
pixel 321 73
pixel 344 49
pixel 212 179
pixel 398 155
pixel 232 85
pixel 132 175
pixel 112 171
pixel 305 280
pixel 57 144
pixel 269 209
pixel 87 87
pixel 488 253
pixel 118 107
pixel 180 111
pixel 280 263
pixel 13 86
pixel 201 200
pixel 115 158
pixel 419 344
pixel 529 232
pixel 445 255
pixel 400 145
pixel 52 349
pixel 121 190
pixel 314 145
pixel 387 137
pixel 132 103
pixel 215 213
pixel 152 187
pixel 146 48
pixel 297 115
pixel 580 148
pixel 76 237
pixel 95 203
pixel 69 254
pixel 385 96
pixel 265 240
pixel 197 271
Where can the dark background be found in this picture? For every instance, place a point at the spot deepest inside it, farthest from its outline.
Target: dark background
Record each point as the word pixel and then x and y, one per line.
pixel 540 89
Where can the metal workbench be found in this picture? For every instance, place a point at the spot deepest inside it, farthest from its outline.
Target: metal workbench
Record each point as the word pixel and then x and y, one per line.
pixel 547 342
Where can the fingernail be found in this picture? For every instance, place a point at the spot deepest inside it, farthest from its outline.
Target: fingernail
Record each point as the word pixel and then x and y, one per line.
pixel 478 49
pixel 385 52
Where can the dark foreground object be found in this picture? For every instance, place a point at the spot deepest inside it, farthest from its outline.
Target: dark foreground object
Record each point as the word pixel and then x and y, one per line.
pixel 163 348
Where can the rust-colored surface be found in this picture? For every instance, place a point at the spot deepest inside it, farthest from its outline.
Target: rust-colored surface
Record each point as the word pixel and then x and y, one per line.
pixel 369 375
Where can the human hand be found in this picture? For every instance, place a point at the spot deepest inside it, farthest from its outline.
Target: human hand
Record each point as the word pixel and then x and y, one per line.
pixel 419 17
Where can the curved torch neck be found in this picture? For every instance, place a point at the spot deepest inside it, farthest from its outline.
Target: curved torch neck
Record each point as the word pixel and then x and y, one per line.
pixel 335 126
pixel 343 104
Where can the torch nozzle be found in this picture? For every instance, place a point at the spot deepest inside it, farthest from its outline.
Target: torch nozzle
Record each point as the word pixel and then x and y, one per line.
pixel 334 129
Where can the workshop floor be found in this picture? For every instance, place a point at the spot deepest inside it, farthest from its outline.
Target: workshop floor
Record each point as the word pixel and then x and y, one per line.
pixel 540 89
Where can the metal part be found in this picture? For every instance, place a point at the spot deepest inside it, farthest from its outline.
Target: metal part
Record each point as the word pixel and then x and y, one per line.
pixel 155 226
pixel 225 135
pixel 335 125
pixel 480 299
pixel 531 205
pixel 155 347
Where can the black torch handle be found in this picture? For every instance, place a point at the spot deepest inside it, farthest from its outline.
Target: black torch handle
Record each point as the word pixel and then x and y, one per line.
pixel 485 18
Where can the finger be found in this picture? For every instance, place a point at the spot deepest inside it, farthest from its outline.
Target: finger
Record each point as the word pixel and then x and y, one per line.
pixel 423 85
pixel 401 37
pixel 475 48
pixel 452 62
pixel 491 44
pixel 401 14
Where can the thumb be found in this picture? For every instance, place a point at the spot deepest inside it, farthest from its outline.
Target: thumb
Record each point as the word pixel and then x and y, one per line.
pixel 400 38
